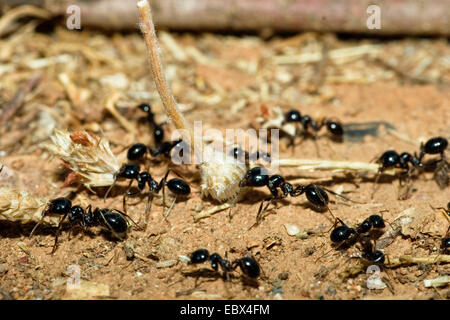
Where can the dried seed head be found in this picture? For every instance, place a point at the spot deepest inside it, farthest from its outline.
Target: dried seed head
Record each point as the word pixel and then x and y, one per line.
pixel 19 205
pixel 221 175
pixel 87 155
pixel 274 118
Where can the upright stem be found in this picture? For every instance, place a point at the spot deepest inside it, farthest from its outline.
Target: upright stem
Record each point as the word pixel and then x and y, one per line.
pixel 148 30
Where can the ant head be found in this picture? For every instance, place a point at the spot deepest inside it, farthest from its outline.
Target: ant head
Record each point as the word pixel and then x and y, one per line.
pixel 145 107
pixel 59 206
pixel 445 243
pixel 377 221
pixel 256 177
pixel 129 171
pixel 198 256
pixel 376 256
pixel 292 116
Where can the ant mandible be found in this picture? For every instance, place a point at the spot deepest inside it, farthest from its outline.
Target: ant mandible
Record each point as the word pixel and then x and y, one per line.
pixel 113 220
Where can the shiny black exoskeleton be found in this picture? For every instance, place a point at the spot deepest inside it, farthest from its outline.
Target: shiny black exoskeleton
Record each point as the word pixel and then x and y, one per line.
pixel 342 233
pixel 391 158
pixel 435 145
pixel 280 188
pixel 375 256
pixel 248 265
pixel 131 171
pixel 245 157
pixel 258 177
pixel 333 127
pixel 346 235
pixel 165 148
pixel 113 220
pixel 158 131
pixel 137 151
pixel 374 221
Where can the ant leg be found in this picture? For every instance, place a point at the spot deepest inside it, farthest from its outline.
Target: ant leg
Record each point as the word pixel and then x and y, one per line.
pixel 40 221
pixel 124 199
pixel 323 200
pixel 260 211
pixel 109 189
pixel 147 208
pixel 165 215
pixel 57 233
pixel 374 189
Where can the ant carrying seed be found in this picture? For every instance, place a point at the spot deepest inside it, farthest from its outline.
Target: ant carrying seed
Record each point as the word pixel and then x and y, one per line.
pixel 391 159
pixel 132 172
pixel 248 265
pixel 113 220
pixel 438 145
pixel 259 177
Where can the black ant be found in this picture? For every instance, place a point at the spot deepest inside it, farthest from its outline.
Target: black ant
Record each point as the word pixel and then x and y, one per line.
pixel 138 150
pixel 391 159
pixel 248 265
pixel 114 220
pixel 438 145
pixel 132 172
pixel 158 131
pixel 334 127
pixel 245 157
pixel 347 236
pixel 259 177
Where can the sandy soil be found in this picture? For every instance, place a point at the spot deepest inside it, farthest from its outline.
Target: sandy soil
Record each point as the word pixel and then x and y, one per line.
pixel 209 74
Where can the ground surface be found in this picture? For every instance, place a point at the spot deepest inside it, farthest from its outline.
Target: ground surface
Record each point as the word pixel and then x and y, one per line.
pixel 223 81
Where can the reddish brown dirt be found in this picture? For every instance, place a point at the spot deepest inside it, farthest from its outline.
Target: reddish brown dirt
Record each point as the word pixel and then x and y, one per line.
pixel 417 110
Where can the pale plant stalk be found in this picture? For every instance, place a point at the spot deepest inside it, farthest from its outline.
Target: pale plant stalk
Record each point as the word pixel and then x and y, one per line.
pixel 335 166
pixel 220 175
pixel 148 30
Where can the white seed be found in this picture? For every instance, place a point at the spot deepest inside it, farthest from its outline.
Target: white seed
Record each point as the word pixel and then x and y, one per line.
pixel 291 229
